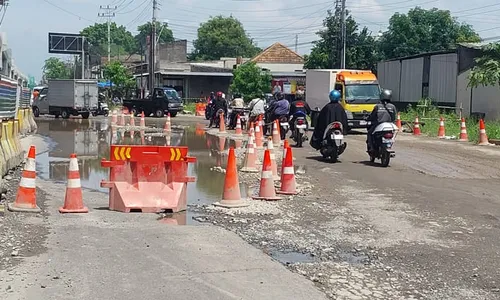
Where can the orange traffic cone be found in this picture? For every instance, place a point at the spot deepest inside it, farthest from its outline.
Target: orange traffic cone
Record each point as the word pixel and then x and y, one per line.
pixel 26 194
pixel 73 201
pixel 238 126
pixel 266 191
pixel 231 197
pixel 132 120
pixel 143 121
pixel 483 138
pixel 114 118
pixel 398 123
pixel 276 134
pixel 222 123
pixel 274 166
pixel 441 133
pixel 258 136
pixel 416 127
pixel 122 119
pixel 168 125
pixel 288 184
pixel 222 143
pixel 463 132
pixel 250 161
pixel 285 145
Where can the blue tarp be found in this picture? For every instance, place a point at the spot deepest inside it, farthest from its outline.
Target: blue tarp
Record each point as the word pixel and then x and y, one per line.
pixel 105 84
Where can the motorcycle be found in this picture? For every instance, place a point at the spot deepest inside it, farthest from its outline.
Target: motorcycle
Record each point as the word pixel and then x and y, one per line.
pixel 299 128
pixel 208 110
pixel 284 126
pixel 102 109
pixel 237 112
pixel 333 144
pixel 217 116
pixel 383 139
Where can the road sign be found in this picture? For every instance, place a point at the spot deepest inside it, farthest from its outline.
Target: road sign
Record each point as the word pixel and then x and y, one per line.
pixel 66 43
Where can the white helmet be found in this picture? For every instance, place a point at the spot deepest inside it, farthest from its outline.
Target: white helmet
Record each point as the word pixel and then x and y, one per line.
pixel 223 95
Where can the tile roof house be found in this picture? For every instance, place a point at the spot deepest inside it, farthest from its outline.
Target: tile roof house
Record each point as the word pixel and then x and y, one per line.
pixel 279 58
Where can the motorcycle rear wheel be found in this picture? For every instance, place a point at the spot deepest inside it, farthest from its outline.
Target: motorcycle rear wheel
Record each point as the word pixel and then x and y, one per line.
pixel 385 159
pixel 298 138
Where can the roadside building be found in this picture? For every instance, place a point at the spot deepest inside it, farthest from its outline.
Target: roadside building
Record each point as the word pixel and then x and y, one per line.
pixel 440 76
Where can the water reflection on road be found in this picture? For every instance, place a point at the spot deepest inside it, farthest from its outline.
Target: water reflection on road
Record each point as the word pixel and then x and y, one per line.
pixel 89 139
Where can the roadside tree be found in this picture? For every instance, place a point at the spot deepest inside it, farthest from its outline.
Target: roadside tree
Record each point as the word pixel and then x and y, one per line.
pixel 119 75
pixel 421 31
pixel 163 33
pixel 486 71
pixel 250 81
pixel 222 37
pixel 122 41
pixel 55 68
pixel 361 46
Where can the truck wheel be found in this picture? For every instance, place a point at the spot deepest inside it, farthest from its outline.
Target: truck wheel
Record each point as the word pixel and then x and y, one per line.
pixel 85 115
pixel 65 114
pixel 159 113
pixel 36 112
pixel 173 114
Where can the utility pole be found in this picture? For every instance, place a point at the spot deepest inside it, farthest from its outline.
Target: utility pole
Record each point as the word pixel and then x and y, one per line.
pixel 83 57
pixel 296 43
pixel 344 33
pixel 108 13
pixel 152 60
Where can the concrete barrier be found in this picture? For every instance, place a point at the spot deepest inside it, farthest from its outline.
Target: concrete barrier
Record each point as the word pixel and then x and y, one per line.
pixel 26 121
pixel 17 140
pixel 3 154
pixel 32 122
pixel 7 151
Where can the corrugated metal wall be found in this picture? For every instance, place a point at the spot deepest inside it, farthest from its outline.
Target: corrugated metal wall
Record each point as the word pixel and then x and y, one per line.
pixel 26 97
pixel 8 98
pixel 443 77
pixel 411 79
pixel 388 76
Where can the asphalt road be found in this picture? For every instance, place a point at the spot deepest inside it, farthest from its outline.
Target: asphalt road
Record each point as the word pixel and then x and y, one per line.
pixel 434 213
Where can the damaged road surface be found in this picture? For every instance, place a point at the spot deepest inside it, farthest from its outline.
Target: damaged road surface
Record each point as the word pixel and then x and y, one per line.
pixel 427 227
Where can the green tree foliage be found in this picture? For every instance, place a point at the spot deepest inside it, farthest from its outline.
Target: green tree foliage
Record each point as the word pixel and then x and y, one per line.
pixel 222 37
pixel 118 74
pixel 486 71
pixel 122 41
pixel 54 68
pixel 361 47
pixel 161 28
pixel 250 81
pixel 421 31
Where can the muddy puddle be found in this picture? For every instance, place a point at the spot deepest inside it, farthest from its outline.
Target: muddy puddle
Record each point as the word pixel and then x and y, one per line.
pixel 90 140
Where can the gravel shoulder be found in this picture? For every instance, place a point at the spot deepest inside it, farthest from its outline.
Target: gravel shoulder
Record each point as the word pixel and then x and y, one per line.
pixel 424 228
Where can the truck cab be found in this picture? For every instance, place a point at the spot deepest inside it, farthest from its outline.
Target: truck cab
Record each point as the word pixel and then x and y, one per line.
pixel 360 92
pixel 160 101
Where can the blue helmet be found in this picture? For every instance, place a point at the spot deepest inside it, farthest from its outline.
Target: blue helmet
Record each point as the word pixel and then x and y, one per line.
pixel 334 96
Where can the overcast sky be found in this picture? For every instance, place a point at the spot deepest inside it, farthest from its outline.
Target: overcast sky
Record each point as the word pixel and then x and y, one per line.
pixel 27 22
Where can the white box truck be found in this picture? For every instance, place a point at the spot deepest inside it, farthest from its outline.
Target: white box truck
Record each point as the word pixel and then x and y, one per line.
pixel 66 97
pixel 359 90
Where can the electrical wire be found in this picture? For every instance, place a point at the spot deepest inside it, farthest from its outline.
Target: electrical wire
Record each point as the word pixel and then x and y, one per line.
pixel 140 16
pixel 132 10
pixel 4 12
pixel 67 11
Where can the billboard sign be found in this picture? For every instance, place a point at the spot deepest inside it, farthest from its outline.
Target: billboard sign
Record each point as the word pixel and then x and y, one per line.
pixel 66 43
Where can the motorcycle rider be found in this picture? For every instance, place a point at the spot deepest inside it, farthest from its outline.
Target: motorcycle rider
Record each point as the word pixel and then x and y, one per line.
pixel 383 112
pixel 280 107
pixel 237 103
pixel 332 112
pixel 219 103
pixel 256 107
pixel 299 105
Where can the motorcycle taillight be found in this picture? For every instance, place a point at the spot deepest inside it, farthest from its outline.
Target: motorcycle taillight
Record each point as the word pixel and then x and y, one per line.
pixel 336 126
pixel 388 135
pixel 300 122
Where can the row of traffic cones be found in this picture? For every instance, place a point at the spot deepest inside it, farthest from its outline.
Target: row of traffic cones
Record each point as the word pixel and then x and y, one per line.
pixel 231 195
pixel 483 138
pixel 26 194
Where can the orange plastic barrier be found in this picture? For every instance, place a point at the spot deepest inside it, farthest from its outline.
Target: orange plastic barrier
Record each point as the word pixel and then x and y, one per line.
pixel 200 109
pixel 147 179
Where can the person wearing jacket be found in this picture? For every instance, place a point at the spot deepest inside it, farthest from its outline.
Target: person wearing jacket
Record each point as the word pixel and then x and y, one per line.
pixel 219 103
pixel 332 112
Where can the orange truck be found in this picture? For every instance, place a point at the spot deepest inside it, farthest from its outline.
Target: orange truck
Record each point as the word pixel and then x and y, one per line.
pixel 359 90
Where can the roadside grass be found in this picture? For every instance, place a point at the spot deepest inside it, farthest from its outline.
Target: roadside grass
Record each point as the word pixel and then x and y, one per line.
pixel 430 116
pixel 191 107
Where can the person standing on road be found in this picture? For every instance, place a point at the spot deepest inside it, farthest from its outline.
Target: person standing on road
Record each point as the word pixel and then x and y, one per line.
pixel 383 112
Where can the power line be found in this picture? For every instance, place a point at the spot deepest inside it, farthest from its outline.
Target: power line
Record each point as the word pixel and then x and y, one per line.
pixel 67 11
pixel 5 6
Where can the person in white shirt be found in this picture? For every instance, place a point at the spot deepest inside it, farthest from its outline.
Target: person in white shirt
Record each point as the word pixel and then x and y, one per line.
pixel 256 107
